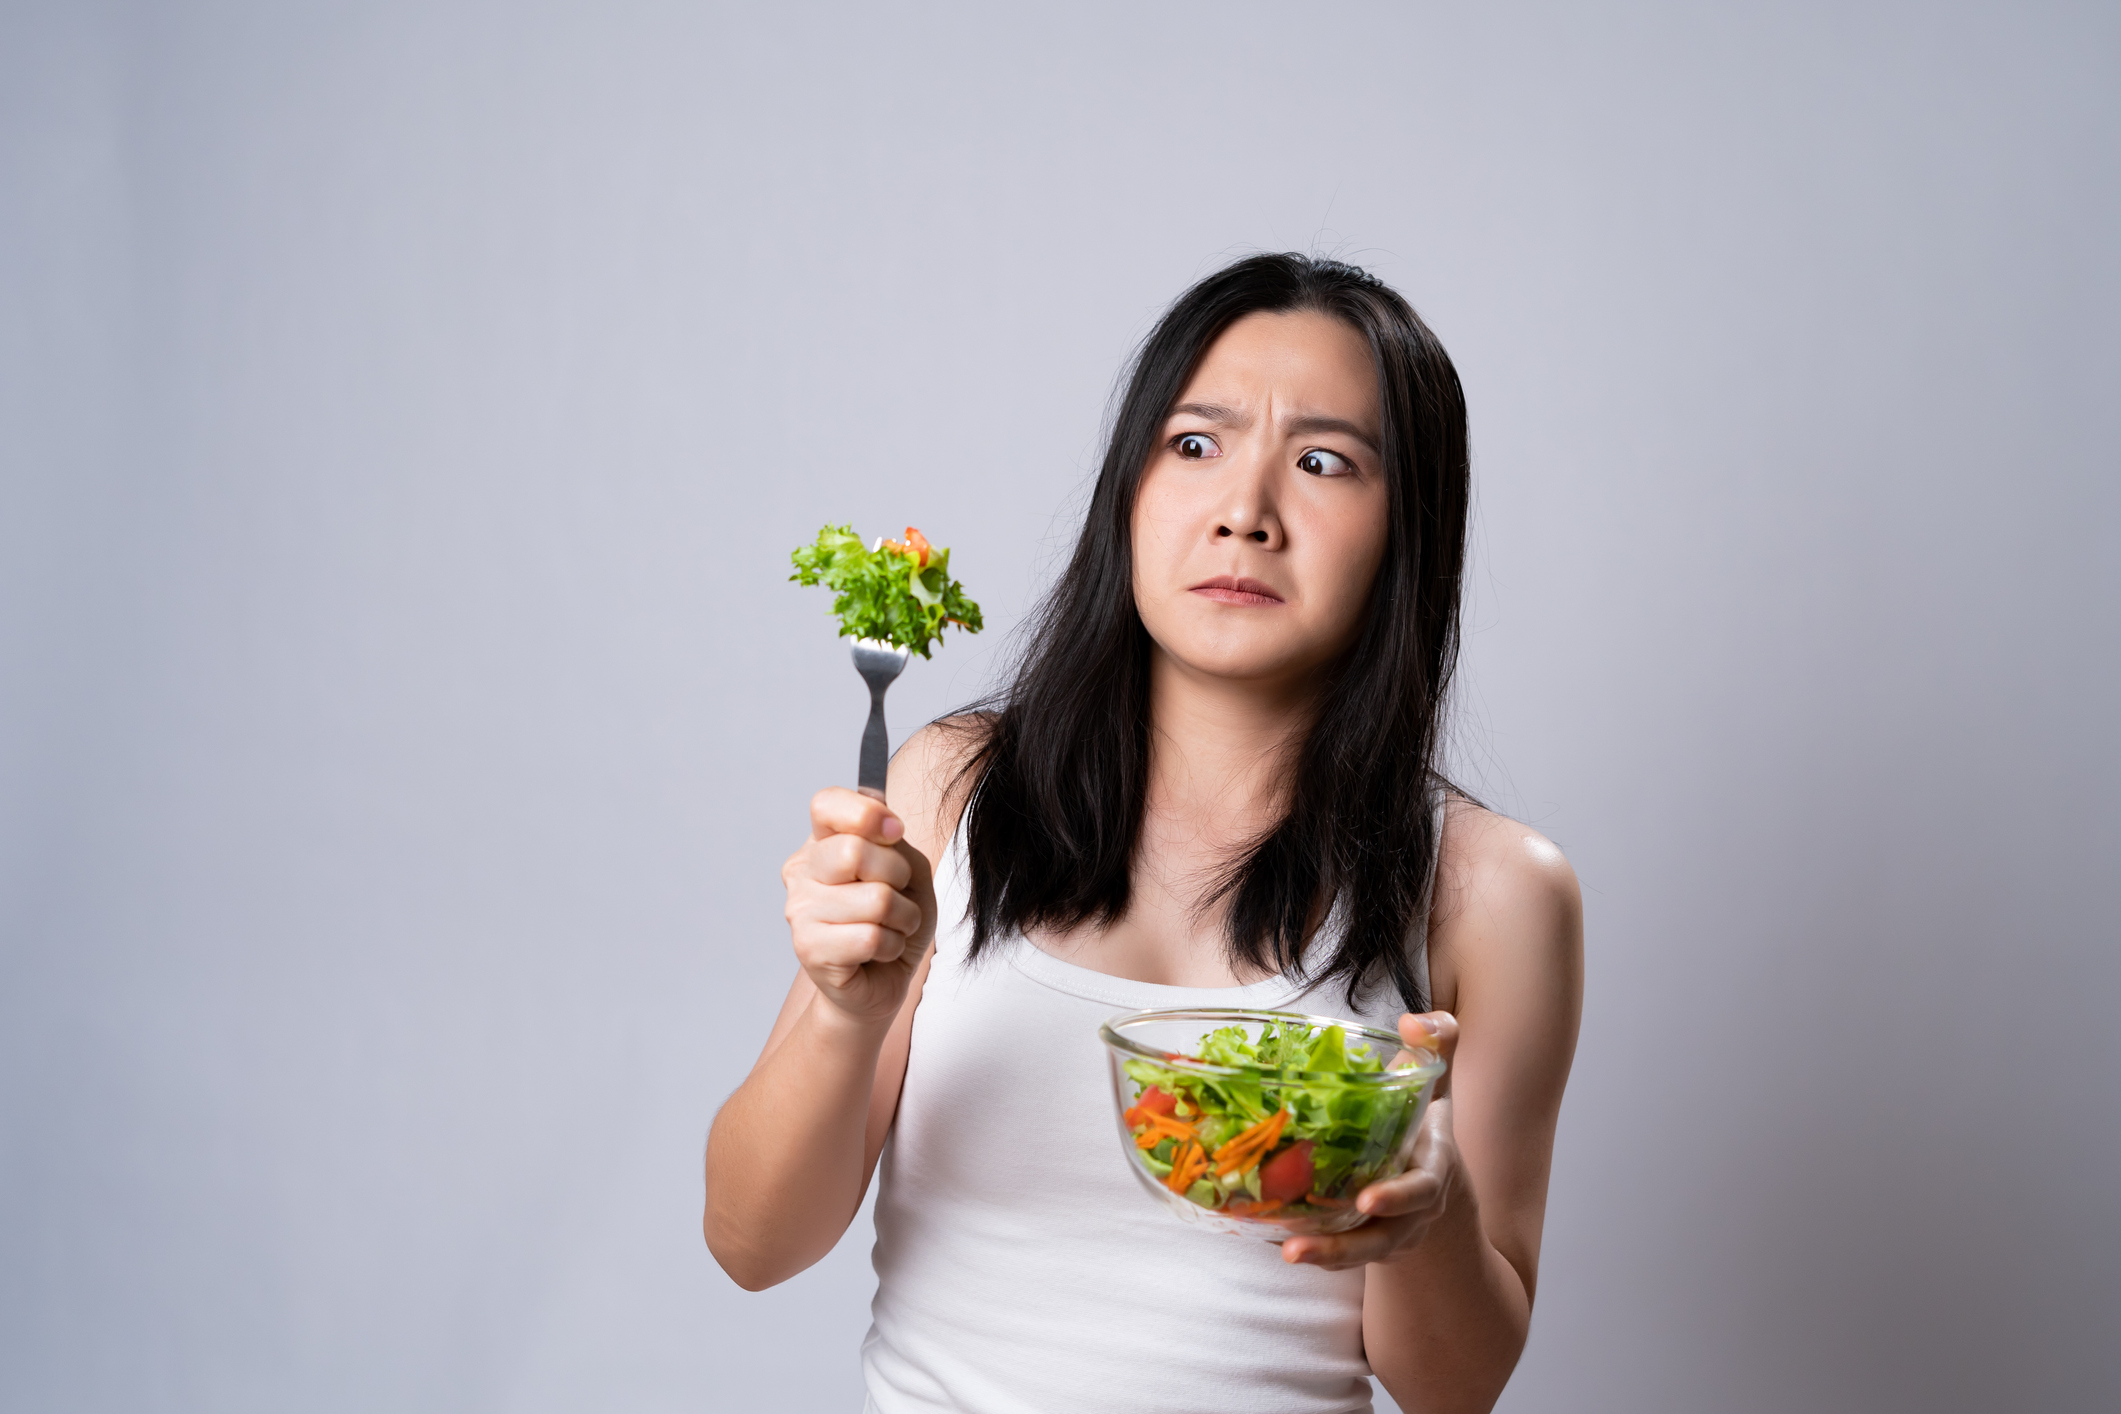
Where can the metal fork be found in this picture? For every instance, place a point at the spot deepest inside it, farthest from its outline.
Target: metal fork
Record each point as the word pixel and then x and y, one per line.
pixel 879 664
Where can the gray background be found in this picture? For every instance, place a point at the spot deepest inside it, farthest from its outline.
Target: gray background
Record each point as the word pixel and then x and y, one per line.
pixel 407 408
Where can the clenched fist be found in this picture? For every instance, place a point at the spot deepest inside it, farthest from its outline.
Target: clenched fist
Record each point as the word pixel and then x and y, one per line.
pixel 861 904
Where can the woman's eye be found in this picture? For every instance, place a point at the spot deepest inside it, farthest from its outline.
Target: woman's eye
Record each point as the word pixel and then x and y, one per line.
pixel 1195 445
pixel 1319 462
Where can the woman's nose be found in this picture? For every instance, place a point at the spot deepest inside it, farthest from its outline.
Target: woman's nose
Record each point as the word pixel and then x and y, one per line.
pixel 1249 512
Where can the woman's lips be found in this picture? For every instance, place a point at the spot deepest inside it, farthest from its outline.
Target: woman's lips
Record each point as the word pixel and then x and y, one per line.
pixel 1231 589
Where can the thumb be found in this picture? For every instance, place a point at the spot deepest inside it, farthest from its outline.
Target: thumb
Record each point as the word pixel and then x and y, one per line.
pixel 1431 1031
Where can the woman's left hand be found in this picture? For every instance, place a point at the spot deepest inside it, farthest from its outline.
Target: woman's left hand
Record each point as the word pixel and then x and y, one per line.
pixel 1403 1210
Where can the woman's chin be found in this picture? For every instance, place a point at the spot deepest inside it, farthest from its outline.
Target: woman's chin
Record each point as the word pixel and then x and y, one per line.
pixel 1271 669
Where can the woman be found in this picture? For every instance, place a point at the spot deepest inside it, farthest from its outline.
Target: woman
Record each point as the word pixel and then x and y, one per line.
pixel 1211 783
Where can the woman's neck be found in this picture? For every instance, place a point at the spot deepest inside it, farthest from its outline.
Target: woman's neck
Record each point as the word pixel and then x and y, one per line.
pixel 1219 749
pixel 1218 778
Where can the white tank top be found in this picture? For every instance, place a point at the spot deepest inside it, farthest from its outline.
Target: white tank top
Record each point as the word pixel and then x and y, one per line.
pixel 1020 1267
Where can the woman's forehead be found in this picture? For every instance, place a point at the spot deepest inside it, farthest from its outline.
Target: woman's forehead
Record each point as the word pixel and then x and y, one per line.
pixel 1300 357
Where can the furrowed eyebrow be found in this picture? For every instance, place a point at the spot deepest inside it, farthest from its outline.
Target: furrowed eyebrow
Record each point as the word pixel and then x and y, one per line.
pixel 1297 426
pixel 1223 416
pixel 1211 412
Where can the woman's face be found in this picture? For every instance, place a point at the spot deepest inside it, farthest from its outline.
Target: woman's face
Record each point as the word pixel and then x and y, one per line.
pixel 1260 522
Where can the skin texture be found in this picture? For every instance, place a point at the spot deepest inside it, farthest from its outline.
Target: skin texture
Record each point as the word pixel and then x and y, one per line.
pixel 1267 477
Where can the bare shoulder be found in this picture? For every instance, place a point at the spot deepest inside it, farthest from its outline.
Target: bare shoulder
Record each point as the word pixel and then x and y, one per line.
pixel 932 775
pixel 1491 861
pixel 1508 909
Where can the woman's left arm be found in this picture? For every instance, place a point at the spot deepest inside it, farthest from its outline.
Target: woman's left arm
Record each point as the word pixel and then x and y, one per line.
pixel 1453 1248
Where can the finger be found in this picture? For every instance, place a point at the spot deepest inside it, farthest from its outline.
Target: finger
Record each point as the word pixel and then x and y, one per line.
pixel 1372 1242
pixel 861 903
pixel 921 889
pixel 1431 1031
pixel 836 810
pixel 849 859
pixel 1418 1190
pixel 920 885
pixel 847 946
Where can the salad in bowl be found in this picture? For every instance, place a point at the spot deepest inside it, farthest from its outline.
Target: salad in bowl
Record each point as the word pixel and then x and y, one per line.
pixel 1264 1123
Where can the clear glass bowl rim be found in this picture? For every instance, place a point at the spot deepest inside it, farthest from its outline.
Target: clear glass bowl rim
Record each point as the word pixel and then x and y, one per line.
pixel 1420 1073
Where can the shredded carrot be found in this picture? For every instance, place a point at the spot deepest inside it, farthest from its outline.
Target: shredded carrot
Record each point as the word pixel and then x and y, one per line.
pixel 1263 1134
pixel 1247 1148
pixel 1156 1128
pixel 1190 1161
pixel 1186 1165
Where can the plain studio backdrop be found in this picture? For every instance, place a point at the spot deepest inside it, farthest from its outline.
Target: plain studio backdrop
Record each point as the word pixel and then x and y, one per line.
pixel 406 412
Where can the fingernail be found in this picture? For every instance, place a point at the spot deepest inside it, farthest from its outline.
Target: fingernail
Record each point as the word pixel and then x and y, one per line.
pixel 892 829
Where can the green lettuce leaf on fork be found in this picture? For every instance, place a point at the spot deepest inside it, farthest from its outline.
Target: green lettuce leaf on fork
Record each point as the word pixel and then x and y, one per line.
pixel 899 593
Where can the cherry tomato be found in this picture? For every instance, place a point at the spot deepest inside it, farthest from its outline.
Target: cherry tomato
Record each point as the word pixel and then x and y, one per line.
pixel 1287 1175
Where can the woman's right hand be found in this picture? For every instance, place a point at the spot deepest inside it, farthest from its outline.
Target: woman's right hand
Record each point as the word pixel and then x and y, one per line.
pixel 861 905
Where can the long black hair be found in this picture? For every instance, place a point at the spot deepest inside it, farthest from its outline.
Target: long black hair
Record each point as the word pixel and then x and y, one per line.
pixel 1059 772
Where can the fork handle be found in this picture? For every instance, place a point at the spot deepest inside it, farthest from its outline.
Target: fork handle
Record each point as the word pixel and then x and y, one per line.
pixel 876 745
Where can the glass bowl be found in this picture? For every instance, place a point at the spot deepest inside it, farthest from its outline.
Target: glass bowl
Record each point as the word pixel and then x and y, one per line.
pixel 1264 1123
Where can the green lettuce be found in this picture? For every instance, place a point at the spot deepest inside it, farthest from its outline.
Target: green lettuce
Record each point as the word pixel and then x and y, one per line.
pixel 901 594
pixel 1308 1071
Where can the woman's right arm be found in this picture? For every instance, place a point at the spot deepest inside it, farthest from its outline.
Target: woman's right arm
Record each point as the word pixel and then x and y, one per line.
pixel 791 1153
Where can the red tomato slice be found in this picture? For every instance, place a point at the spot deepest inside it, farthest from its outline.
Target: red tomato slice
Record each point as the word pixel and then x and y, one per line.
pixel 1156 1102
pixel 1287 1175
